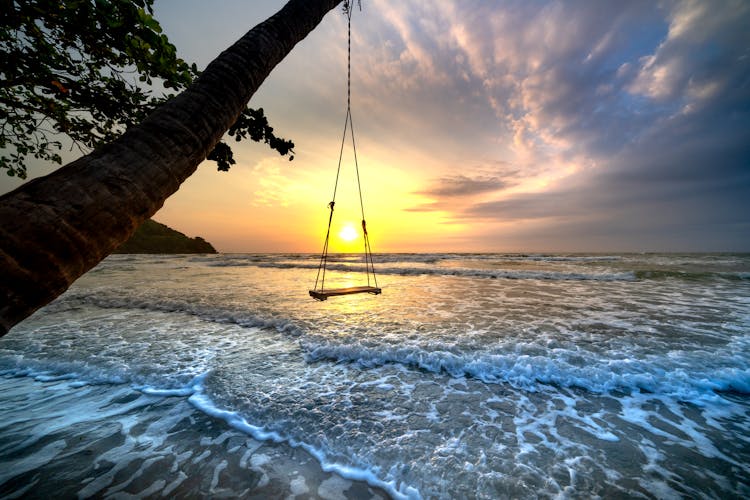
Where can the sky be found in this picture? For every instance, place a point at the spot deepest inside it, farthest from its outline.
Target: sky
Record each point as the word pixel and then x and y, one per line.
pixel 487 126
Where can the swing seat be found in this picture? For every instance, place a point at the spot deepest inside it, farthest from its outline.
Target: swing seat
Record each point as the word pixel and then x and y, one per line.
pixel 332 292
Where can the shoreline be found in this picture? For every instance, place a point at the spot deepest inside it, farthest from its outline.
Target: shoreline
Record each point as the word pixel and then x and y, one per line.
pixel 97 440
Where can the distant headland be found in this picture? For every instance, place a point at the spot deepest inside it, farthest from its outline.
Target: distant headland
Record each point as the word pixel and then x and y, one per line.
pixel 154 237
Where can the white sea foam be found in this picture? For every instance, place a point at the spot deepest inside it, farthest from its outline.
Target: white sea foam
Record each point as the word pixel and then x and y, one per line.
pixel 204 403
pixel 525 371
pixel 447 385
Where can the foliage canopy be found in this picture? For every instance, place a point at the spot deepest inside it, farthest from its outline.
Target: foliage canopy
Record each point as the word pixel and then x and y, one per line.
pixel 88 70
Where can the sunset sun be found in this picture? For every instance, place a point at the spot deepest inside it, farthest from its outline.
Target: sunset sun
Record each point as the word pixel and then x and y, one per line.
pixel 348 233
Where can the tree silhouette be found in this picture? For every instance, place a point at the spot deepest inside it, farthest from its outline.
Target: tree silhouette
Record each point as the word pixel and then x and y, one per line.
pixel 57 227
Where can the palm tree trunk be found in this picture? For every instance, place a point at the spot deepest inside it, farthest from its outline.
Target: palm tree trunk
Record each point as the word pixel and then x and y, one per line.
pixel 55 228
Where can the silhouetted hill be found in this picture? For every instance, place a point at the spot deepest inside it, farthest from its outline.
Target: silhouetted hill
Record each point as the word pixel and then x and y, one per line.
pixel 153 237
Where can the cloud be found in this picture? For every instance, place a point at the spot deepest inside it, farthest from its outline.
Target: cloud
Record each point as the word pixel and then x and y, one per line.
pixel 454 192
pixel 274 186
pixel 461 185
pixel 704 47
pixel 540 79
pixel 526 207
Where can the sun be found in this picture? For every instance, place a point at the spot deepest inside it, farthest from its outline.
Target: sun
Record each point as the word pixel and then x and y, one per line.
pixel 348 233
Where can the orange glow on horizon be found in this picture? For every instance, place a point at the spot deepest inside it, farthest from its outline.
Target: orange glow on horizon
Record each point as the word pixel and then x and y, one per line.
pixel 267 205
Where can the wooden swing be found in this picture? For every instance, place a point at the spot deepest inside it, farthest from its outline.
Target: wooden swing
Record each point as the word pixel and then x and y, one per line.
pixel 372 287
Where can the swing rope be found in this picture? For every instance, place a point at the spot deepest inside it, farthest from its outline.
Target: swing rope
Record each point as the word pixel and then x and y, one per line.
pixel 348 125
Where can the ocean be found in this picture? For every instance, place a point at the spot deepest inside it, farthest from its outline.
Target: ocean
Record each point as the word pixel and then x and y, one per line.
pixel 471 376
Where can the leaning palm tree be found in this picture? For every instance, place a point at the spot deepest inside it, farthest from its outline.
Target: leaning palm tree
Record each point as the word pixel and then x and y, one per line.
pixel 57 227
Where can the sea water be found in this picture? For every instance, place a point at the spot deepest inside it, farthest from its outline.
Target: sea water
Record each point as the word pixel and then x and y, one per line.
pixel 471 376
